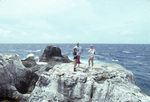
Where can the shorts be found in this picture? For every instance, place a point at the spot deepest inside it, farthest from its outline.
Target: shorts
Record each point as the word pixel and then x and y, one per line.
pixel 78 59
pixel 91 56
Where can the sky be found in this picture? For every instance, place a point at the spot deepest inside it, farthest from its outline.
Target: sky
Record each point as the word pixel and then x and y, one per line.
pixel 72 21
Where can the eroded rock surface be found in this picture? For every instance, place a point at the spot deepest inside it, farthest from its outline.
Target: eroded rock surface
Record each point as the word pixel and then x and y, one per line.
pixel 29 62
pixel 103 83
pixel 15 78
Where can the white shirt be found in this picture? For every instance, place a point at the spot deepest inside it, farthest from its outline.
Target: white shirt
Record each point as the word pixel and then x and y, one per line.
pixel 92 52
pixel 79 49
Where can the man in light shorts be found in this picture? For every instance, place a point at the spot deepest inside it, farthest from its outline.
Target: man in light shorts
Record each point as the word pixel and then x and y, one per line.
pixel 92 53
pixel 79 52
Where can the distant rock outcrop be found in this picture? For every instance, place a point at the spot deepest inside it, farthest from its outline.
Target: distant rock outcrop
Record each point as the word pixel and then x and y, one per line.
pixel 53 54
pixel 15 78
pixel 103 83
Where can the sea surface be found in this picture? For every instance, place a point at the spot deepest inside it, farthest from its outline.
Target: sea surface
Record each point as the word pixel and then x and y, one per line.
pixel 134 57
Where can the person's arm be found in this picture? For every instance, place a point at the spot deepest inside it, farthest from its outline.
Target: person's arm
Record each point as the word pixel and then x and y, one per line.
pixel 81 51
pixel 75 55
pixel 88 50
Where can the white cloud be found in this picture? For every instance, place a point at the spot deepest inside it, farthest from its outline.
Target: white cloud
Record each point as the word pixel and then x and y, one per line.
pixel 6 33
pixel 2 31
pixel 27 8
pixel 74 20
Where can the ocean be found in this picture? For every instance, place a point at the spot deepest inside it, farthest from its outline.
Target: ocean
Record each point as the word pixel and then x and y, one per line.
pixel 134 57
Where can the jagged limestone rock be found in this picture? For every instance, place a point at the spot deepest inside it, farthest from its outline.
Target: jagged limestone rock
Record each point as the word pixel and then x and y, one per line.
pixel 15 78
pixel 103 83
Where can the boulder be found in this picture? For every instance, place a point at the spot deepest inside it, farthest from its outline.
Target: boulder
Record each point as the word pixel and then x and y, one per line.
pixel 53 54
pixel 15 78
pixel 29 62
pixel 49 52
pixel 103 83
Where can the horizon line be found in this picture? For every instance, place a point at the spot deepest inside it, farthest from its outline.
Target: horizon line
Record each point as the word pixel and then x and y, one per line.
pixel 80 43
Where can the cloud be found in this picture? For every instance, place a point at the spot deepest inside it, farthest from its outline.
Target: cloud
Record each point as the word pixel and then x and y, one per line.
pixel 2 31
pixel 6 33
pixel 28 8
pixel 74 20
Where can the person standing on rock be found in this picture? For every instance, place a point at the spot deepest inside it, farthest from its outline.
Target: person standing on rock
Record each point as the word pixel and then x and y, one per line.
pixel 79 52
pixel 75 58
pixel 92 53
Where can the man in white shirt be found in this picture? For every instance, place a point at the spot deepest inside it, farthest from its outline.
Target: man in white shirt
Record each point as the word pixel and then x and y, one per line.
pixel 79 52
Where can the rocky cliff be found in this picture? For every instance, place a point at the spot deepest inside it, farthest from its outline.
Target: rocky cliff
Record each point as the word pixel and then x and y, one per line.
pixel 55 81
pixel 103 83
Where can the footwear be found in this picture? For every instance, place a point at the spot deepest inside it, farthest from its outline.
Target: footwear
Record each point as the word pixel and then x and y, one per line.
pixel 75 70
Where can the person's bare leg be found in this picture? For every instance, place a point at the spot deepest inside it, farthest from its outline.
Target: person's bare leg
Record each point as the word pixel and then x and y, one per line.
pixel 75 63
pixel 92 61
pixel 78 61
pixel 89 62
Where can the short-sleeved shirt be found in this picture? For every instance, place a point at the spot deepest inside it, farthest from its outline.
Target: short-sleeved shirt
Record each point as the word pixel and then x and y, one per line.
pixel 79 49
pixel 92 52
pixel 74 53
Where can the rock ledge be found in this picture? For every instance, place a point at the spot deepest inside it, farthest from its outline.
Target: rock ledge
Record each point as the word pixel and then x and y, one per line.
pixel 104 83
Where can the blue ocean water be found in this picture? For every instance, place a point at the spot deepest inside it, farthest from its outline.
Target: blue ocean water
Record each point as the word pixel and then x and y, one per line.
pixel 134 57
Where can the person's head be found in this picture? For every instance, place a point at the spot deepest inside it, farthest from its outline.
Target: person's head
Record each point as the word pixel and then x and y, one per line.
pixel 91 46
pixel 77 44
pixel 75 50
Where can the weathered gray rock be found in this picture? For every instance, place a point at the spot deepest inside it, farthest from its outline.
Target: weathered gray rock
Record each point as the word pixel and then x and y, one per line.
pixel 39 69
pixel 53 54
pixel 49 52
pixel 15 78
pixel 29 62
pixel 103 83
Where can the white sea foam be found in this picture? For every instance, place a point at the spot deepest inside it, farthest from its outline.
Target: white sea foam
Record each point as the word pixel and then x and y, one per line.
pixel 12 50
pixel 30 55
pixel 105 53
pixel 33 51
pixel 126 52
pixel 37 50
pixel 37 61
pixel 138 56
pixel 115 60
pixel 41 63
